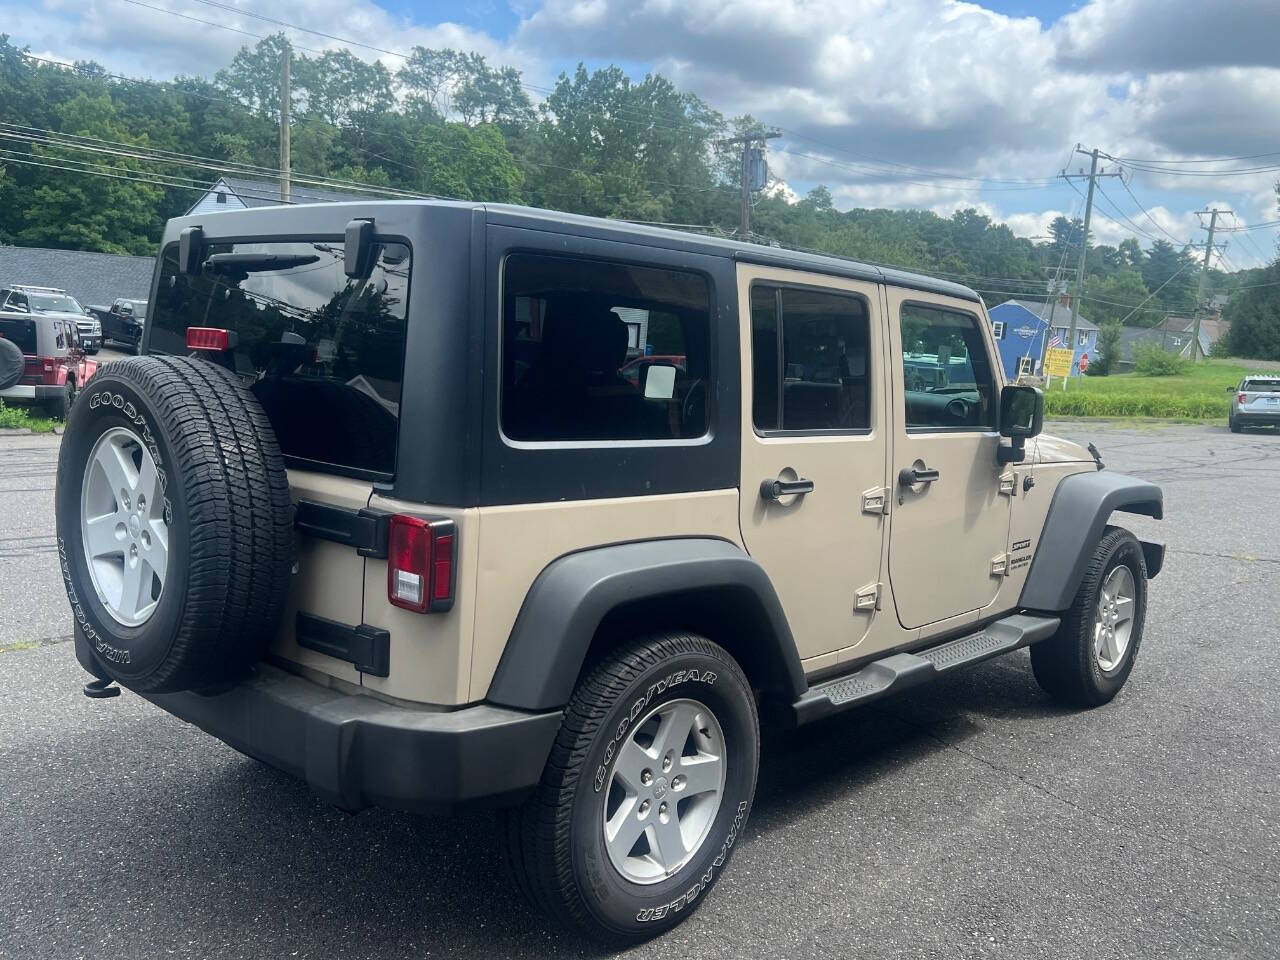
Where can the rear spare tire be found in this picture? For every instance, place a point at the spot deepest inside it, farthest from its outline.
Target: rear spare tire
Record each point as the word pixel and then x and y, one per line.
pixel 174 523
pixel 12 363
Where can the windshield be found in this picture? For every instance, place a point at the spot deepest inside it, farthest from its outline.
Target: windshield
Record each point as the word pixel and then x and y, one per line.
pixel 53 303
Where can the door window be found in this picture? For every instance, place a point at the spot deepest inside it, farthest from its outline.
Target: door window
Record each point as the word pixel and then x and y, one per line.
pixel 810 355
pixel 945 370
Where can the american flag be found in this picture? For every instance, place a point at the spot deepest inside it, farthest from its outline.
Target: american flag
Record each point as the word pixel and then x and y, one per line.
pixel 1055 342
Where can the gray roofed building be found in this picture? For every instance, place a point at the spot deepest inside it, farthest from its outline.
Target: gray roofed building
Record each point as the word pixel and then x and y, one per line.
pixel 92 278
pixel 236 193
pixel 1061 313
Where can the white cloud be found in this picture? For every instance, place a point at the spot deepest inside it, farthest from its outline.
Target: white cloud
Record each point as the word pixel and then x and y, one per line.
pixel 1140 36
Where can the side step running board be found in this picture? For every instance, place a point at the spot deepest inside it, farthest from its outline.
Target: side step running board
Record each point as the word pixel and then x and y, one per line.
pixel 901 671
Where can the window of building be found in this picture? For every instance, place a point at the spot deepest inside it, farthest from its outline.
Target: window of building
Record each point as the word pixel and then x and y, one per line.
pixel 1083 338
pixel 322 352
pixel 810 360
pixel 946 372
pixel 997 329
pixel 595 350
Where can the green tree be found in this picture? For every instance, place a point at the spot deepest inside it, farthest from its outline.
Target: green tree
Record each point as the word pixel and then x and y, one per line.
pixel 115 213
pixel 1166 264
pixel 469 163
pixel 1254 317
pixel 1108 351
pixel 1113 299
pixel 253 76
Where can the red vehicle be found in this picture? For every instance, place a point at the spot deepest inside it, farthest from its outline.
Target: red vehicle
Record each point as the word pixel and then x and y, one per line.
pixel 42 361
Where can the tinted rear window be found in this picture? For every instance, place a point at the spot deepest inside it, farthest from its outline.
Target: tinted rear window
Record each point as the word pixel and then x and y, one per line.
pixel 600 350
pixel 21 332
pixel 323 353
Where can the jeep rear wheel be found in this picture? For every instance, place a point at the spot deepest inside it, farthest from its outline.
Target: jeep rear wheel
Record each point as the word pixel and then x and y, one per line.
pixel 174 523
pixel 646 791
pixel 1090 657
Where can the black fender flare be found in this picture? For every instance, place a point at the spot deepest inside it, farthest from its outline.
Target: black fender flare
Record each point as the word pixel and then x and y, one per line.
pixel 1078 513
pixel 573 595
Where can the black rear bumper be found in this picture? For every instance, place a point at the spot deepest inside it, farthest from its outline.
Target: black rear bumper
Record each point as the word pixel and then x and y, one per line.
pixel 355 751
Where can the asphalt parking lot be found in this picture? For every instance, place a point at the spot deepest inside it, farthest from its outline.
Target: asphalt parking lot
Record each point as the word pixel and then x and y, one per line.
pixel 966 819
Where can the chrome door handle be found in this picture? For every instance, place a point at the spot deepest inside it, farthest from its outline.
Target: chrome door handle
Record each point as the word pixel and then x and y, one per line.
pixel 777 489
pixel 910 476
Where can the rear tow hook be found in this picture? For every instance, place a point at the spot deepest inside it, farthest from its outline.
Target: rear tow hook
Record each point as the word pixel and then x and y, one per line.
pixel 101 689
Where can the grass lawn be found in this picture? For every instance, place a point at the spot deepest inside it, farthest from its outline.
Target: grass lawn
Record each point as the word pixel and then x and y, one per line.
pixel 1199 394
pixel 25 418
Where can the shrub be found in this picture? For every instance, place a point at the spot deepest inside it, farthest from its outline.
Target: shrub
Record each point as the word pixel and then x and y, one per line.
pixel 13 417
pixel 1152 360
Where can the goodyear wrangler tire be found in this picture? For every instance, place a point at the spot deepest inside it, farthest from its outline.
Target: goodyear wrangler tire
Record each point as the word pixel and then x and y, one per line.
pixel 645 793
pixel 174 523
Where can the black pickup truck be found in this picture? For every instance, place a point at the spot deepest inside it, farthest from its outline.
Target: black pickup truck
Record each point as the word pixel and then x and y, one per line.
pixel 123 321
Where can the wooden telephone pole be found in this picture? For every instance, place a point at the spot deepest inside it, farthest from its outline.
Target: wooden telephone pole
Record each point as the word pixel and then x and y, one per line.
pixel 286 188
pixel 1093 176
pixel 1204 273
pixel 747 140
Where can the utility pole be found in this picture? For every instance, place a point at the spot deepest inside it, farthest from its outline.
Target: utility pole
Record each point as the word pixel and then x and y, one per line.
pixel 747 140
pixel 1084 245
pixel 285 104
pixel 1204 273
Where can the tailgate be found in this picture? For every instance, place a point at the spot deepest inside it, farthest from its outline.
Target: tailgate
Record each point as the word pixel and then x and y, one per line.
pixel 328 579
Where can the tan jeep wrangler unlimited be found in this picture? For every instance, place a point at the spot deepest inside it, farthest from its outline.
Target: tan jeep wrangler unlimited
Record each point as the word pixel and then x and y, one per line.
pixel 435 504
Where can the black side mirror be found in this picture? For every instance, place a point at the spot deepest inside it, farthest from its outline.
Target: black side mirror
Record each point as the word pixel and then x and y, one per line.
pixel 1021 416
pixel 190 250
pixel 358 251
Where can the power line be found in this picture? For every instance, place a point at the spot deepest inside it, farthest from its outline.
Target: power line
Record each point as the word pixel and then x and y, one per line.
pixel 1147 213
pixel 1252 156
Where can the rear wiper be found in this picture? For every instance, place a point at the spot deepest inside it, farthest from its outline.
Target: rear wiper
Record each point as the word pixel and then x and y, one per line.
pixel 253 262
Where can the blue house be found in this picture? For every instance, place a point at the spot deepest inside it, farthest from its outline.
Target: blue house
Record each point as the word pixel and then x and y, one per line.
pixel 1021 327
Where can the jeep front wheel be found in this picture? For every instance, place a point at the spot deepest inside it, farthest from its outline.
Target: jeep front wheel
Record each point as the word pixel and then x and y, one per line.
pixel 646 791
pixel 1090 657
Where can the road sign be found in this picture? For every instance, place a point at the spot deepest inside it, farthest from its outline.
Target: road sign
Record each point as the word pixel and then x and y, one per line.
pixel 1057 362
pixel 1084 362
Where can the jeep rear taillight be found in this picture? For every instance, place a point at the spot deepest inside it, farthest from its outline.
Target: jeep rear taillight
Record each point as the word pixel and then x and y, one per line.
pixel 420 563
pixel 1240 399
pixel 210 338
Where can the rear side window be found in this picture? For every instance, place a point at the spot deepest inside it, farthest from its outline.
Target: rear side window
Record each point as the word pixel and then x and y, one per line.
pixel 598 350
pixel 809 358
pixel 322 352
pixel 20 331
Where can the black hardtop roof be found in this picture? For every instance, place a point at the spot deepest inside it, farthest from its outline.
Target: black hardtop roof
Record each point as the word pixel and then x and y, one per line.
pixel 599 227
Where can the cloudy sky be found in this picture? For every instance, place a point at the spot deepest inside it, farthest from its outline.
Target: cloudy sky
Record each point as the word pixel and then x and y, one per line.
pixel 900 103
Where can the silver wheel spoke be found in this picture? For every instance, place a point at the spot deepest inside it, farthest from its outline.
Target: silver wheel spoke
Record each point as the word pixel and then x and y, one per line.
pixel 1124 610
pixel 667 842
pixel 624 829
pixel 632 761
pixel 117 467
pixel 675 729
pixel 701 773
pixel 101 536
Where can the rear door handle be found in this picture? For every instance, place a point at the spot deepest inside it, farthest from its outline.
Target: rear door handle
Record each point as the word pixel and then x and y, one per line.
pixel 910 476
pixel 777 489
